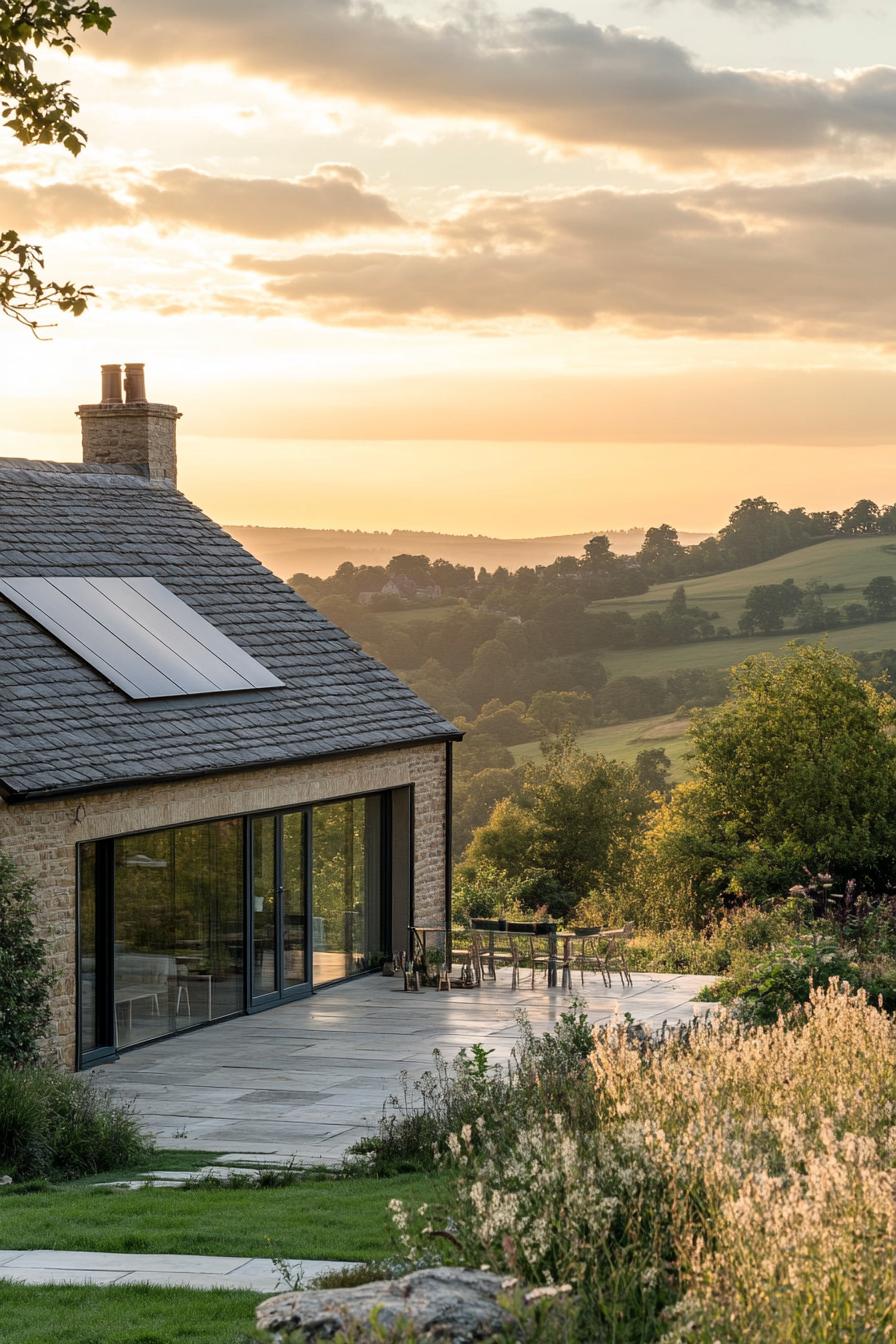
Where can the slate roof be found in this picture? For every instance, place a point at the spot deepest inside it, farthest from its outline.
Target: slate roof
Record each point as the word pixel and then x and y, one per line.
pixel 64 728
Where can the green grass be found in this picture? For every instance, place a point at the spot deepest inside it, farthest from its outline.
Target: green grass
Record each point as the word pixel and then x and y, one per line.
pixel 318 1218
pixel 412 616
pixel 854 562
pixel 163 1159
pixel 126 1315
pixel 315 1219
pixel 623 741
pixel 724 653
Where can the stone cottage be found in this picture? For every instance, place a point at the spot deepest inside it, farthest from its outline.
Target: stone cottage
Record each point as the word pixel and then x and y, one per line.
pixel 223 801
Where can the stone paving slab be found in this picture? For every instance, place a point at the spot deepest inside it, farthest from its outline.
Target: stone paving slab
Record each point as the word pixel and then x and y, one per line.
pixel 77 1277
pixel 347 1048
pixel 184 1271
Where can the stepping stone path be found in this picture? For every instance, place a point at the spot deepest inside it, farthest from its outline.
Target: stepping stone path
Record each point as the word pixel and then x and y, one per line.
pixel 171 1271
pixel 251 1273
pixel 216 1171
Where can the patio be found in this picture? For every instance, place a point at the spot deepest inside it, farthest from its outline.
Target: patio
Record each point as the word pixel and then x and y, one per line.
pixel 308 1079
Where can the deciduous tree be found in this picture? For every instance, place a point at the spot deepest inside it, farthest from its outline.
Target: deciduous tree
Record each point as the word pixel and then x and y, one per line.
pixel 40 112
pixel 575 817
pixel 880 595
pixel 796 771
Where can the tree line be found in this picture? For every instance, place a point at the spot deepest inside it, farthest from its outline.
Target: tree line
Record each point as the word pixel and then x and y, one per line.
pixel 756 530
pixel 767 606
pixel 795 775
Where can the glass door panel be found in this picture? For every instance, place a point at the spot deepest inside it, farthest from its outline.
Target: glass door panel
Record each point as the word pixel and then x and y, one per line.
pixel 145 981
pixel 208 878
pixel 347 897
pixel 293 889
pixel 265 950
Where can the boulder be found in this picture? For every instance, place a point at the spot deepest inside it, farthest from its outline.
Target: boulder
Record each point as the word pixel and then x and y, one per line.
pixel 460 1305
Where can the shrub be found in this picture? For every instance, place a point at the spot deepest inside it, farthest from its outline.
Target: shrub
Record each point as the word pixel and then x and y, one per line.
pixel 24 977
pixel 731 940
pixel 544 1072
pixel 783 976
pixel 738 1183
pixel 54 1124
pixel 761 987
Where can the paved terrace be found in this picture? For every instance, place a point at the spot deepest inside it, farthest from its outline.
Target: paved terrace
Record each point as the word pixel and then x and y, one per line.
pixel 309 1078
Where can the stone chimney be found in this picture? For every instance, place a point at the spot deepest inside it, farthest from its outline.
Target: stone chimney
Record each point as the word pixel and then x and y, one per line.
pixel 132 431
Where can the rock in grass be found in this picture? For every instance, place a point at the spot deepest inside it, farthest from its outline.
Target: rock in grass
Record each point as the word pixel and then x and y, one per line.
pixel 460 1305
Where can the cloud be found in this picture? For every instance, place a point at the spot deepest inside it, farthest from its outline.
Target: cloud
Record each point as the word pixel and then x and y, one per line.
pixel 58 207
pixel 800 261
pixel 778 9
pixel 543 73
pixel 331 201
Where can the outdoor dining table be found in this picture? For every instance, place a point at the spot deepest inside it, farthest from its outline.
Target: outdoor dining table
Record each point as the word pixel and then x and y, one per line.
pixel 553 934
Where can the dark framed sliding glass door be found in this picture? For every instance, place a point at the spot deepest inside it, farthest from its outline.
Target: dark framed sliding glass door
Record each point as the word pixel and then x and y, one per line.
pixel 278 906
pixel 349 923
pixel 160 934
pixel 190 924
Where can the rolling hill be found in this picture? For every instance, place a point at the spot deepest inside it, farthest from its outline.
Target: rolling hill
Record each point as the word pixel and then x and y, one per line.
pixel 851 561
pixel 716 653
pixel 623 741
pixel 320 551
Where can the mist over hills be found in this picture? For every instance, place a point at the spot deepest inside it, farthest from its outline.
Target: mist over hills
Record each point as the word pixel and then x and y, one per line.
pixel 320 551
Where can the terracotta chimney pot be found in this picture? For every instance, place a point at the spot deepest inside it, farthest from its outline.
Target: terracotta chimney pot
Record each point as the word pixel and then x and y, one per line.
pixel 111 384
pixel 134 383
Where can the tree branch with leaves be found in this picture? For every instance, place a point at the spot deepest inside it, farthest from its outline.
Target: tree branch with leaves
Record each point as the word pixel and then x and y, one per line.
pixel 40 112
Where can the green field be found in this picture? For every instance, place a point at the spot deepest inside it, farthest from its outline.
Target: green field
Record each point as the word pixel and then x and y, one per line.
pixel 854 562
pixel 623 741
pixel 722 653
pixel 415 615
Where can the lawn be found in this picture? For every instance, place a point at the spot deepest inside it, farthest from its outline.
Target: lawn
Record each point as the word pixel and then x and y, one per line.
pixel 318 1218
pixel 128 1315
pixel 852 561
pixel 622 742
pixel 315 1219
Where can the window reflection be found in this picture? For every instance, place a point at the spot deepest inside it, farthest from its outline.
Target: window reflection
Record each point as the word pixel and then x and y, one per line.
pixel 264 906
pixel 294 972
pixel 348 929
pixel 178 929
pixel 176 956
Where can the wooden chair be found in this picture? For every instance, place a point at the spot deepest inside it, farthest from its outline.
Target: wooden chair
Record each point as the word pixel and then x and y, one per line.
pixel 614 952
pixel 519 950
pixel 590 955
pixel 475 955
pixel 548 960
pixel 490 953
pixel 411 974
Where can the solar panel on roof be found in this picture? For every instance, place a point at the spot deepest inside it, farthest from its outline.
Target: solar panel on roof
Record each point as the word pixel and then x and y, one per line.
pixel 140 636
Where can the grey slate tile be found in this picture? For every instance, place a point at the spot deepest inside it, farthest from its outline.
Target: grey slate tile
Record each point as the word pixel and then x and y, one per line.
pixel 63 727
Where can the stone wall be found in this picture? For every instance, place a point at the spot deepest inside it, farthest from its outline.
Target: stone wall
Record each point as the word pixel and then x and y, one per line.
pixel 132 435
pixel 41 836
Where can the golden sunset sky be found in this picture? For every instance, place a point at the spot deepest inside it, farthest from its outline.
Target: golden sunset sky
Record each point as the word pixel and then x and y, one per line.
pixel 475 267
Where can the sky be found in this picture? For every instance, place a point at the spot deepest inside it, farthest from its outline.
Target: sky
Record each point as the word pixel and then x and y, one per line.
pixel 476 267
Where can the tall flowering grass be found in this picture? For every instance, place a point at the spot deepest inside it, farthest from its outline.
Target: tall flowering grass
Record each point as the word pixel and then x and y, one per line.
pixel 739 1185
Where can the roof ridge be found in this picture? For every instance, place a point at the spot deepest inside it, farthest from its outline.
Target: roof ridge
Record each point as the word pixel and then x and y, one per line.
pixel 47 469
